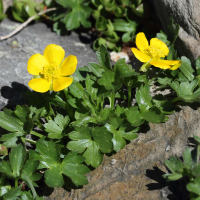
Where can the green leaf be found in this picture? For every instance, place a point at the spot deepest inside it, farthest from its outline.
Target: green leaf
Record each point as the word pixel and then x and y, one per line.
pixel 198 65
pixel 78 15
pixel 55 128
pixel 90 88
pixel 13 193
pixel 174 176
pixel 118 136
pixel 116 122
pixel 123 70
pixel 10 139
pixel 28 170
pixel 104 58
pixel 17 158
pixel 153 115
pixel 134 117
pixel 196 170
pixel 174 164
pixel 143 98
pixel 96 69
pixel 6 168
pixel 185 90
pixel 186 68
pixel 10 122
pixel 187 157
pixel 71 165
pixel 197 139
pixel 101 23
pixel 92 142
pixel 76 89
pixel 194 187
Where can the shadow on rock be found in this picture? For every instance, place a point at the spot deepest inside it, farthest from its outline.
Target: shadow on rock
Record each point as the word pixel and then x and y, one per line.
pixel 14 94
pixel 173 190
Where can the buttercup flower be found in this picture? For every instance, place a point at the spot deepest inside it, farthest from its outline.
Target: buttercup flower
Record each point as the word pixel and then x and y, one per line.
pixel 151 54
pixel 50 70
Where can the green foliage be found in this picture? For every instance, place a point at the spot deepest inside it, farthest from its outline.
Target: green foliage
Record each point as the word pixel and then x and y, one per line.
pixel 77 14
pixel 19 123
pixel 2 15
pixel 23 9
pixel 189 167
pixel 93 142
pixel 49 156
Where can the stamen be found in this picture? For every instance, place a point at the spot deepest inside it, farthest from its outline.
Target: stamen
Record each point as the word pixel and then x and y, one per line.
pixel 155 52
pixel 50 72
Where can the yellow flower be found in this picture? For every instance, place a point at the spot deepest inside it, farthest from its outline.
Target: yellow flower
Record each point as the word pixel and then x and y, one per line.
pixel 50 71
pixel 151 54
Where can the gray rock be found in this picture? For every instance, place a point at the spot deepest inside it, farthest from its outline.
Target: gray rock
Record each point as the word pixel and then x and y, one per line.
pixel 186 14
pixel 15 52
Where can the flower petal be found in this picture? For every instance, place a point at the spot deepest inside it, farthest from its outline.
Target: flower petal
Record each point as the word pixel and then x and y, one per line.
pixel 159 64
pixel 68 66
pixel 176 66
pixel 170 62
pixel 36 63
pixel 141 42
pixel 61 83
pixel 158 43
pixel 140 56
pixel 54 54
pixel 39 85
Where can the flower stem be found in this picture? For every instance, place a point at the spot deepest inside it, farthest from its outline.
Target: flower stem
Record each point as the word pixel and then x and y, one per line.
pixel 129 96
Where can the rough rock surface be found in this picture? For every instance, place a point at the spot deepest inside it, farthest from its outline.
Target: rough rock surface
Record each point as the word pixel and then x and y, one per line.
pixel 186 14
pixel 135 172
pixel 15 52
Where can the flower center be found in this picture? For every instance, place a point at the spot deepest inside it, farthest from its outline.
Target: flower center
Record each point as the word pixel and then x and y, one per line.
pixel 155 52
pixel 50 72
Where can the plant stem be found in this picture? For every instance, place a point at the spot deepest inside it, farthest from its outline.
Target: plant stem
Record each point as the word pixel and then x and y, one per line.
pixel 38 123
pixel 16 182
pixel 30 141
pixel 36 134
pixel 112 100
pixel 129 96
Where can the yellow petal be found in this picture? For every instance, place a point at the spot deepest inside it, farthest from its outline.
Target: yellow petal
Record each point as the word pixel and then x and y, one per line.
pixel 159 64
pixel 68 66
pixel 36 63
pixel 141 42
pixel 61 83
pixel 39 85
pixel 54 54
pixel 170 62
pixel 158 43
pixel 140 56
pixel 176 66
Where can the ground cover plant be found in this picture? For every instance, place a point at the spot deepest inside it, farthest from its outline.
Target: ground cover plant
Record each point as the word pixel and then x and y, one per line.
pixel 72 121
pixel 113 22
pixel 75 116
